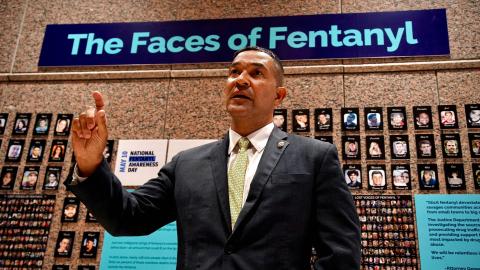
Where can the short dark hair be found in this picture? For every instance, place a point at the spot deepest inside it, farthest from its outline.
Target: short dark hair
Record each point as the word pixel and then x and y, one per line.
pixel 276 60
pixel 352 172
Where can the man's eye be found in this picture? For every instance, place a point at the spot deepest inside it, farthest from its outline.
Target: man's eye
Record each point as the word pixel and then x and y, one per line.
pixel 234 72
pixel 257 73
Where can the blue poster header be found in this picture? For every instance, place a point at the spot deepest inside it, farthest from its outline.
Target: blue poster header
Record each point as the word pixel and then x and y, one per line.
pixel 357 35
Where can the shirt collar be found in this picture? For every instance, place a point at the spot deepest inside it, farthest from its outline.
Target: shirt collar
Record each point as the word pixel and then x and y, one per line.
pixel 258 138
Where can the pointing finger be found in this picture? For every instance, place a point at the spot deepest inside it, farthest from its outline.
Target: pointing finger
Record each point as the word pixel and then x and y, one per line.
pixel 99 104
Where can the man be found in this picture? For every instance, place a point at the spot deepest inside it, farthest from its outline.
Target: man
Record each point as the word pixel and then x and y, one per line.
pixel 353 179
pixel 425 148
pixel 451 147
pixel 267 220
pixel 377 179
pixel 36 152
pixel 278 120
pixel 423 119
pixel 373 120
pixel 428 180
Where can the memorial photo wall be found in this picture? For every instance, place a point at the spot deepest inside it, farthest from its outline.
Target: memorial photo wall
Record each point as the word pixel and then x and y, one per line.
pixel 381 139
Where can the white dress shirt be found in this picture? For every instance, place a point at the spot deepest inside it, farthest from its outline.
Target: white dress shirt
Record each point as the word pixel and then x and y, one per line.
pixel 258 141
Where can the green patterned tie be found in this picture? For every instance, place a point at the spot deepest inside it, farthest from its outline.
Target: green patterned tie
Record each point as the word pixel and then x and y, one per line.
pixel 236 179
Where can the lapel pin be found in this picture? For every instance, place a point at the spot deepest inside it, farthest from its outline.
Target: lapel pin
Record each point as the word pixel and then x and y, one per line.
pixel 281 144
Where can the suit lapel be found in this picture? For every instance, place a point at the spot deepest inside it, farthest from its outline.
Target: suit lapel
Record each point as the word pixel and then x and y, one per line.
pixel 219 161
pixel 273 151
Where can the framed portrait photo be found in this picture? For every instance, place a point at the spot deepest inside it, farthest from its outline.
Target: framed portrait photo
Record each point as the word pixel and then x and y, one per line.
pixel 30 178
pixel 52 178
pixel 3 122
pixel 8 176
pixel 350 118
pixel 425 144
pixel 399 147
pixel 428 176
pixel 280 119
pixel 22 122
pixel 377 179
pixel 448 116
pixel 401 177
pixel 455 176
pixel 323 119
pixel 353 175
pixel 373 118
pixel 397 118
pixel 451 146
pixel 63 125
pixel 14 150
pixel 58 150
pixel 301 120
pixel 42 124
pixel 71 208
pixel 89 245
pixel 472 111
pixel 422 117
pixel 36 150
pixel 64 244
pixel 375 147
pixel 351 147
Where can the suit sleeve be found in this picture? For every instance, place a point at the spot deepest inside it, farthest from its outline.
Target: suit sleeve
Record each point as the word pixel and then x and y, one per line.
pixel 336 222
pixel 121 212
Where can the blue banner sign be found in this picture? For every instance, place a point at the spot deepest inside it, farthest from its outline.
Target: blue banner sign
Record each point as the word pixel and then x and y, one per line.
pixel 356 35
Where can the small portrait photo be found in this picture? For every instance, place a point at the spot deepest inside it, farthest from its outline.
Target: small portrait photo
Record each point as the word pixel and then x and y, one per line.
pixel 328 139
pixel 373 118
pixel 42 124
pixel 399 147
pixel 397 118
pixel 323 119
pixel 353 175
pixel 425 146
pixel 455 176
pixel 89 245
pixel 401 177
pixel 35 151
pixel 57 151
pixel 448 116
pixel 108 151
pixel 474 142
pixel 64 245
pixel 280 119
pixel 22 120
pixel 14 151
pixel 472 111
pixel 375 147
pixel 428 176
pixel 351 147
pixel 376 177
pixel 30 178
pixel 90 217
pixel 350 119
pixel 3 122
pixel 476 175
pixel 71 207
pixel 422 117
pixel 62 127
pixel 8 176
pixel 451 146
pixel 52 178
pixel 301 120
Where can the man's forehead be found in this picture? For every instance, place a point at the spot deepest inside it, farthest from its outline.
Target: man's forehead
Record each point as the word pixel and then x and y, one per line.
pixel 256 58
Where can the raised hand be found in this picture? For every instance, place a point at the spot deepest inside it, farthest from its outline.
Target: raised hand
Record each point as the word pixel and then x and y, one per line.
pixel 90 136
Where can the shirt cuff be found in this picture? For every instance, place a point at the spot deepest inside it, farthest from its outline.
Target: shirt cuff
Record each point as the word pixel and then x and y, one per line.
pixel 76 179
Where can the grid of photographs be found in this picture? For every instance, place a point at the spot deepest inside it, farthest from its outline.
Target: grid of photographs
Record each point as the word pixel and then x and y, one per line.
pixel 387 232
pixel 24 227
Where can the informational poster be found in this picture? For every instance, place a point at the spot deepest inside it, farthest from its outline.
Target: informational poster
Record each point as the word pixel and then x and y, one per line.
pixel 448 231
pixel 176 146
pixel 139 160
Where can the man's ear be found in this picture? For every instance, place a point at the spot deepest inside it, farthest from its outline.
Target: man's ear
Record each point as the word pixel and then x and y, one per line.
pixel 281 94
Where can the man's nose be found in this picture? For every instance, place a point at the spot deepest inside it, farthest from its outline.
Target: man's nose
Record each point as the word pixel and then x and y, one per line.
pixel 242 80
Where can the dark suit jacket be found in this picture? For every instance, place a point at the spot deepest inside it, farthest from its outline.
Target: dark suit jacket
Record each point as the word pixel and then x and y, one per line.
pixel 298 199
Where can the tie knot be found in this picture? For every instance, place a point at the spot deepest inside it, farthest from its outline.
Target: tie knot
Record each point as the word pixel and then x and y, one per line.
pixel 243 144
